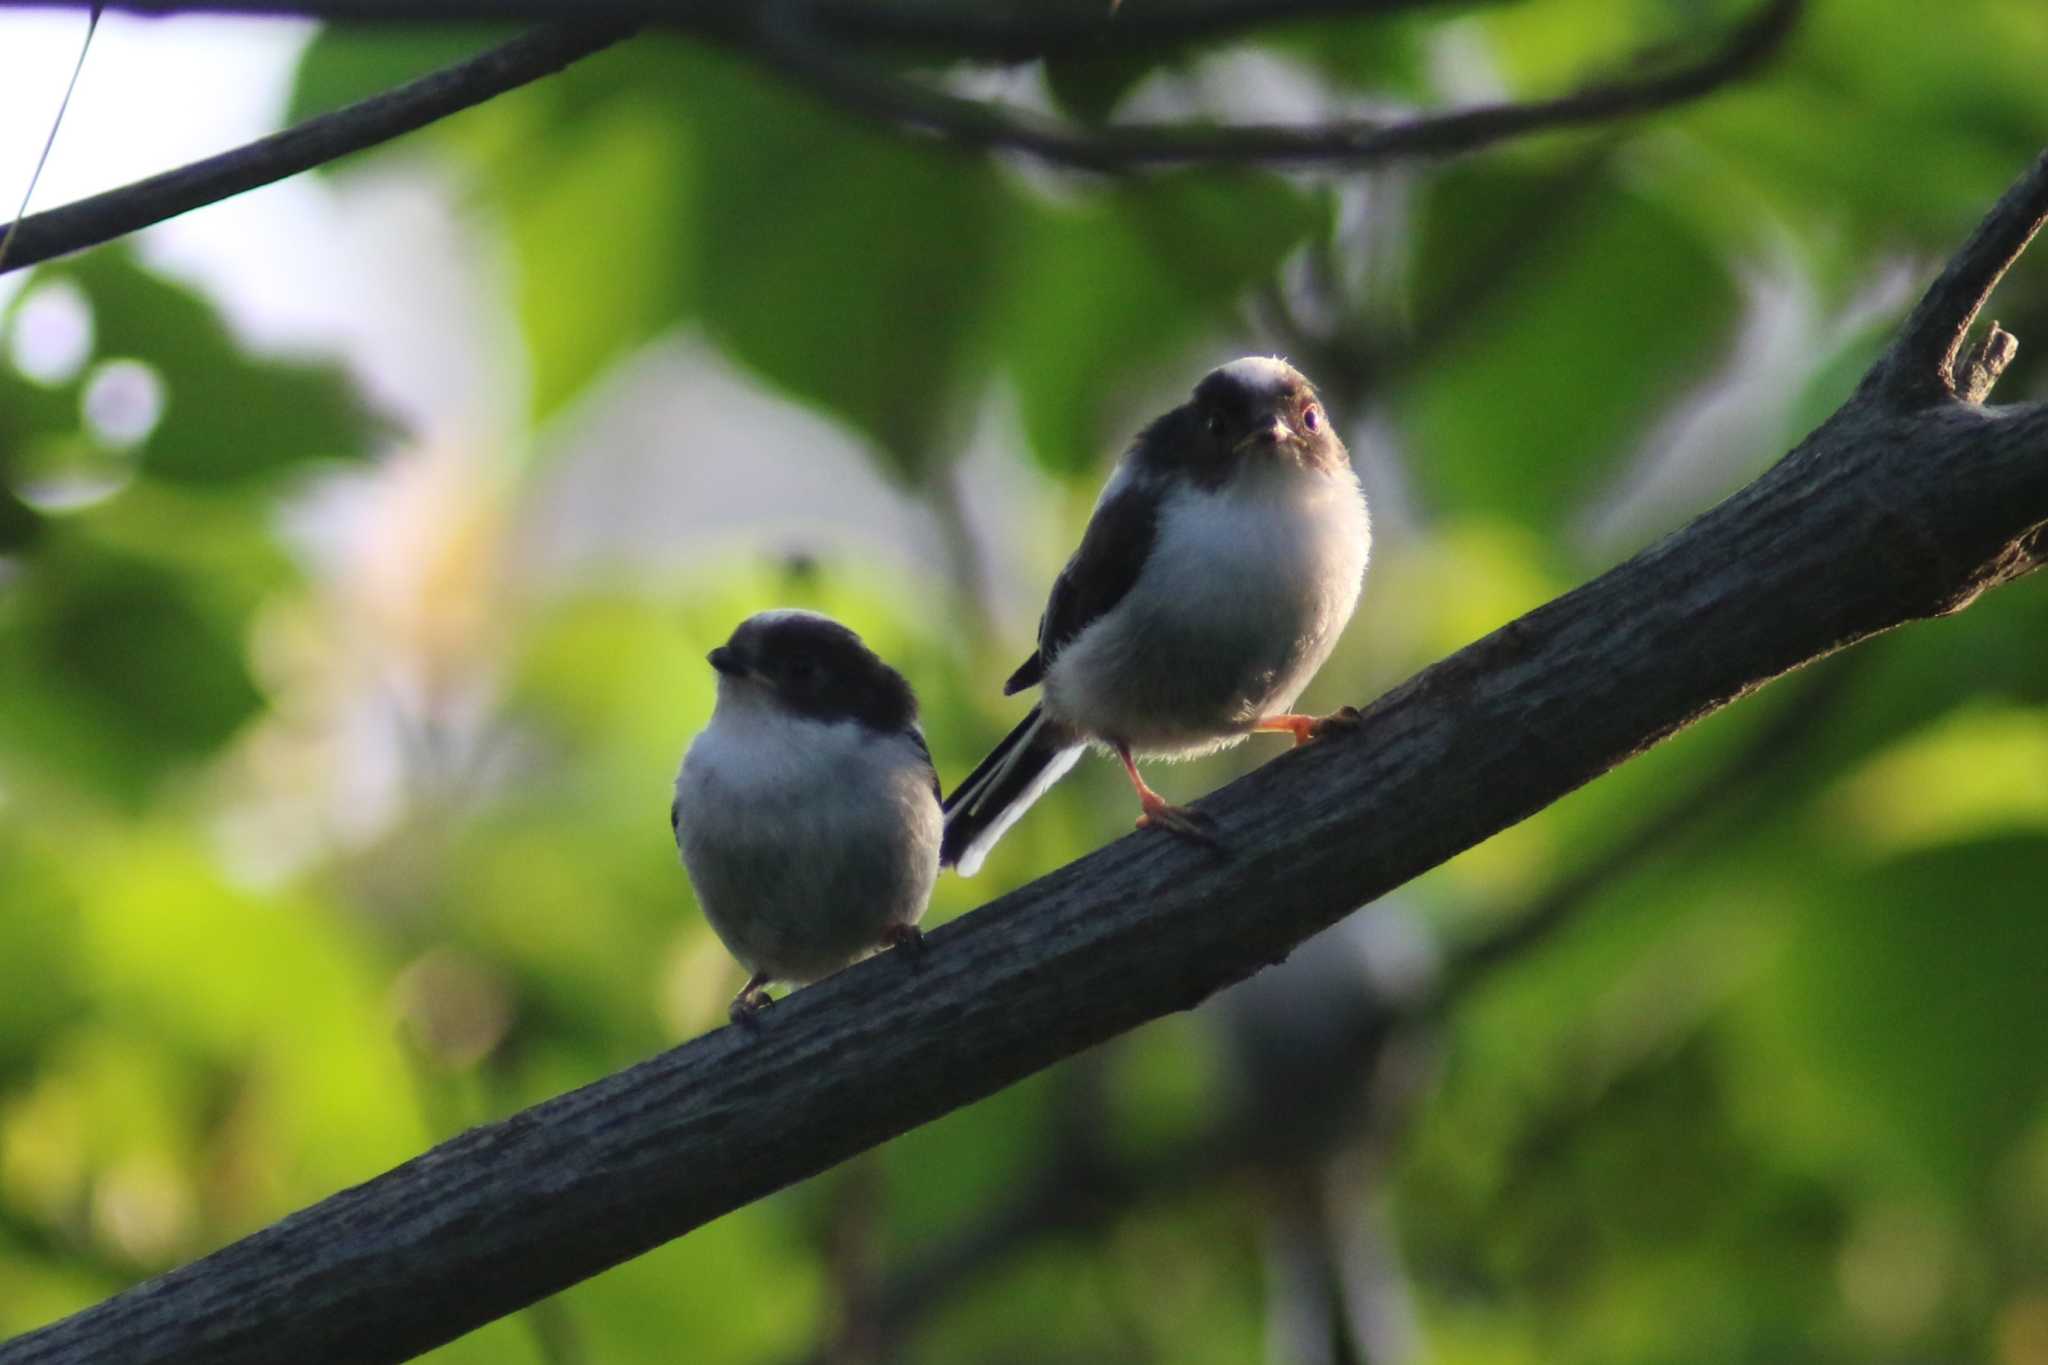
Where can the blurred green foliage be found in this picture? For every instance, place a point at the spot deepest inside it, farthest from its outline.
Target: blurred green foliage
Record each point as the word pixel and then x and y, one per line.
pixel 311 861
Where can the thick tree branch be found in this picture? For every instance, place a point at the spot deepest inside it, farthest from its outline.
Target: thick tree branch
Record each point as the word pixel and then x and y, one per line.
pixel 804 54
pixel 1796 724
pixel 1881 516
pixel 1083 1188
pixel 318 140
pixel 953 28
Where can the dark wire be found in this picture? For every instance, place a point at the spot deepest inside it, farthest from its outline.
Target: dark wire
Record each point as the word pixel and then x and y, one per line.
pixel 92 25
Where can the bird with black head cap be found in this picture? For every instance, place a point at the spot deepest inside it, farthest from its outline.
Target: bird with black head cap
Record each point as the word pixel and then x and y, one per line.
pixel 807 810
pixel 1220 565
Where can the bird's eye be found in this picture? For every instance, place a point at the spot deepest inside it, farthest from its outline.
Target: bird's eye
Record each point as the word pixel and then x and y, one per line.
pixel 1214 423
pixel 1312 418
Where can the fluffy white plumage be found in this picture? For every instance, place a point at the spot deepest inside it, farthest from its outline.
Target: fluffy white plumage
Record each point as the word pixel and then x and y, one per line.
pixel 1244 595
pixel 807 838
pixel 1221 564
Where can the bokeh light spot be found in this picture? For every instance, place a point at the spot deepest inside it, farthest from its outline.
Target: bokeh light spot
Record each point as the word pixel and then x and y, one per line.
pixel 123 402
pixel 52 334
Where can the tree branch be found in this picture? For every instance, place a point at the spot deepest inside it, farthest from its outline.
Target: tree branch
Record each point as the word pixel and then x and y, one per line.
pixel 981 31
pixel 803 42
pixel 1796 724
pixel 318 140
pixel 1881 516
pixel 1920 366
pixel 785 39
pixel 1082 1188
pixel 1975 374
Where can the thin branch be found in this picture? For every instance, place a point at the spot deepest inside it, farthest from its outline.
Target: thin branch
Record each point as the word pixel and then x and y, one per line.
pixel 324 138
pixel 1880 517
pixel 1037 29
pixel 980 31
pixel 1919 367
pixel 786 41
pixel 804 45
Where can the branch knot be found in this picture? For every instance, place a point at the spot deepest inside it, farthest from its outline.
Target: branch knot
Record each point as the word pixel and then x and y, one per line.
pixel 1976 371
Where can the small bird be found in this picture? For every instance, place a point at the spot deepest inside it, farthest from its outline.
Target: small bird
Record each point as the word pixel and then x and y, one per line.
pixel 1222 560
pixel 807 811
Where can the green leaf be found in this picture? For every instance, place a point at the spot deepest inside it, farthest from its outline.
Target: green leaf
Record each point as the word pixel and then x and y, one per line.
pixel 1868 131
pixel 848 266
pixel 1386 54
pixel 285 988
pixel 588 298
pixel 227 415
pixel 1906 680
pixel 19 523
pixel 38 942
pixel 1595 304
pixel 115 672
pixel 29 414
pixel 29 409
pixel 1090 86
pixel 1912 994
pixel 1118 284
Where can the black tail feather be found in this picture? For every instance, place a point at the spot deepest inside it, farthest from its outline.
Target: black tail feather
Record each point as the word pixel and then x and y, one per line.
pixel 1016 772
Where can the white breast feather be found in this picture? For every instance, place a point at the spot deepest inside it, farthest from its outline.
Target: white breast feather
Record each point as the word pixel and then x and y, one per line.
pixel 804 838
pixel 1242 598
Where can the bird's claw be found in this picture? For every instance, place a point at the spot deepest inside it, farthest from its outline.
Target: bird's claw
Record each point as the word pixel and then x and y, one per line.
pixel 1187 823
pixel 1343 718
pixel 752 999
pixel 908 937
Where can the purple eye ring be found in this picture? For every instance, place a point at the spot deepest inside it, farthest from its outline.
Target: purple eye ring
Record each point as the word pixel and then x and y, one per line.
pixel 1311 418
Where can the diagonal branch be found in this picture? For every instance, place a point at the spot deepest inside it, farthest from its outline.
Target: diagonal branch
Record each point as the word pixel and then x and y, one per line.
pixel 1799 722
pixel 318 140
pixel 1880 517
pixel 1082 1189
pixel 803 42
pixel 790 44
pixel 1011 32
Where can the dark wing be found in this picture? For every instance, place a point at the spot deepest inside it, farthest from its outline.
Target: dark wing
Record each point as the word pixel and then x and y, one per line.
pixel 931 768
pixel 675 817
pixel 1113 552
pixel 1030 673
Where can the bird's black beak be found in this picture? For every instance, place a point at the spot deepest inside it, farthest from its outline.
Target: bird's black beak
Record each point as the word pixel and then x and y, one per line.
pixel 726 661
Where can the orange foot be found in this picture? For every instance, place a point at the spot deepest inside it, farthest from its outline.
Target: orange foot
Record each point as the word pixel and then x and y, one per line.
pixel 1189 824
pixel 1159 813
pixel 1306 728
